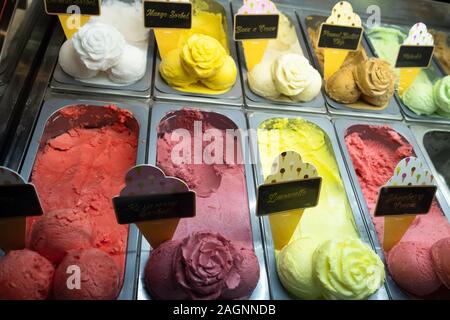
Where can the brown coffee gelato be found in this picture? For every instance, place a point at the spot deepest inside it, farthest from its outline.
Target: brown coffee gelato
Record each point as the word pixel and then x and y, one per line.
pixel 360 79
pixel 375 78
pixel 342 86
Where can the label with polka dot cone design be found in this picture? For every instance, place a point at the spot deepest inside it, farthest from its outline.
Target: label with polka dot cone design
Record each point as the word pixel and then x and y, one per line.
pixel 409 192
pixel 18 200
pixel 292 186
pixel 340 34
pixel 414 54
pixel 154 202
pixel 254 24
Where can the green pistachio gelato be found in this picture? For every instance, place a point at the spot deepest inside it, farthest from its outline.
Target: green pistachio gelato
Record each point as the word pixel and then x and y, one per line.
pixel 419 98
pixel 441 91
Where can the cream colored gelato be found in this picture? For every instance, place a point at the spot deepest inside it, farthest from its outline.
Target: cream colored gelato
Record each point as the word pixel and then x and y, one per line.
pixel 284 74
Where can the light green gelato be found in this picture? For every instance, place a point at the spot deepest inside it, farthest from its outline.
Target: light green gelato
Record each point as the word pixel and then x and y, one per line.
pixel 386 42
pixel 420 97
pixel 441 92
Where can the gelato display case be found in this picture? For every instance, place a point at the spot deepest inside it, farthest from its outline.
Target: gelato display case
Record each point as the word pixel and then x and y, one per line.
pixel 79 113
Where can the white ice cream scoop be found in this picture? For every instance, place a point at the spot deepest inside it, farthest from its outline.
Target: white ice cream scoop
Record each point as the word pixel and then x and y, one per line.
pixel 131 66
pixel 71 63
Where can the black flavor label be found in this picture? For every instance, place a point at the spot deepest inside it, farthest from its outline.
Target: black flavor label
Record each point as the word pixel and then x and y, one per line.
pixel 252 27
pixel 83 7
pixel 163 14
pixel 339 37
pixel 291 195
pixel 19 200
pixel 132 209
pixel 402 200
pixel 414 56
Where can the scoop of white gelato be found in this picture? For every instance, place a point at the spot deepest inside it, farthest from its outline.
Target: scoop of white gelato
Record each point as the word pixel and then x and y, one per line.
pixel 261 82
pixel 71 63
pixel 131 66
pixel 100 46
pixel 288 74
pixel 313 88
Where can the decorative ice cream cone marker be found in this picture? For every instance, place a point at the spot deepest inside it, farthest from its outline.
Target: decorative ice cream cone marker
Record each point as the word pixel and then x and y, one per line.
pixel 17 201
pixel 414 54
pixel 154 202
pixel 73 14
pixel 71 23
pixel 167 40
pixel 408 174
pixel 335 45
pixel 333 60
pixel 255 44
pixel 287 168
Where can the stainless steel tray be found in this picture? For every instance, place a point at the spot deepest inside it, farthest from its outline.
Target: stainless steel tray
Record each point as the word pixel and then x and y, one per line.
pixel 162 91
pixel 50 124
pixel 341 126
pixel 255 119
pixel 61 81
pixel 392 111
pixel 252 100
pixel 407 112
pixel 159 110
pixel 429 143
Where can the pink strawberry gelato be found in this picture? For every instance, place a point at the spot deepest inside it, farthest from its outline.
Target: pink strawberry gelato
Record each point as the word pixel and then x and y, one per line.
pixel 375 151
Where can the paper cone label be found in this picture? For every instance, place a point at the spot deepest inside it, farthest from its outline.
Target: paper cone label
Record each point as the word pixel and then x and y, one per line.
pixel 168 14
pixel 17 201
pixel 71 23
pixel 154 202
pixel 415 53
pixel 255 23
pixel 340 34
pixel 292 186
pixel 73 14
pixel 167 40
pixel 409 192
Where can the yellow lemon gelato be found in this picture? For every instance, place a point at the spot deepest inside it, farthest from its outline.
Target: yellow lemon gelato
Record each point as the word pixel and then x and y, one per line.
pixel 300 266
pixel 201 63
pixel 347 269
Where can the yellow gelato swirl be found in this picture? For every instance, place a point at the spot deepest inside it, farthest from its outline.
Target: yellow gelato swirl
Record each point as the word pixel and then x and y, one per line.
pixel 347 269
pixel 295 268
pixel 225 76
pixel 376 79
pixel 173 72
pixel 202 56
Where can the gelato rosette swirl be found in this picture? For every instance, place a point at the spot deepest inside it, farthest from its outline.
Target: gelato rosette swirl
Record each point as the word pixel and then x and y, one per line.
pixel 100 46
pixel 291 74
pixel 376 79
pixel 347 269
pixel 202 266
pixel 441 91
pixel 203 56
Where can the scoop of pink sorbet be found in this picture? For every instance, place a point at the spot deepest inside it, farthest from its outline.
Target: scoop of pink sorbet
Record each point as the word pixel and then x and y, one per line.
pixel 411 267
pixel 99 276
pixel 58 232
pixel 440 254
pixel 159 275
pixel 25 275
